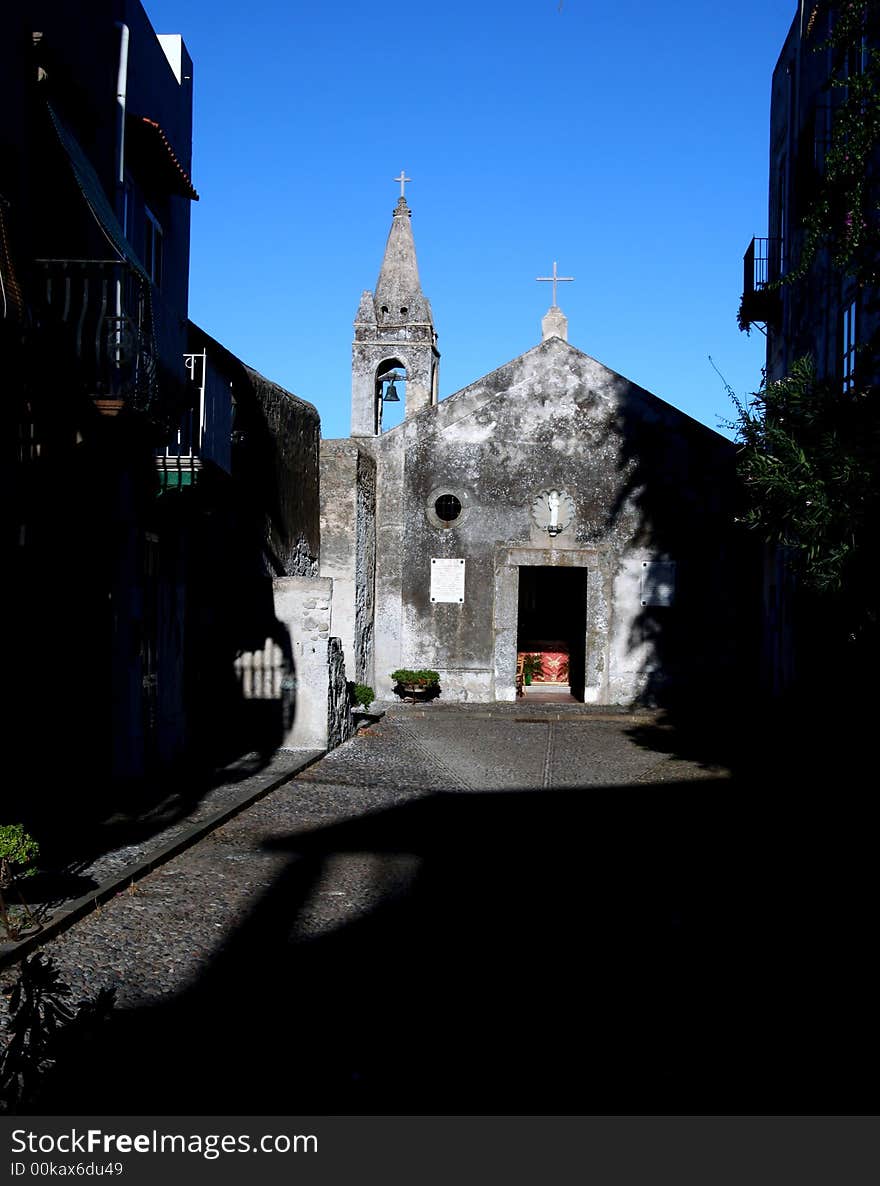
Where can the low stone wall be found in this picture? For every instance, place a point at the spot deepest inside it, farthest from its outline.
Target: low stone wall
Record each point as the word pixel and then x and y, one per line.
pixel 321 710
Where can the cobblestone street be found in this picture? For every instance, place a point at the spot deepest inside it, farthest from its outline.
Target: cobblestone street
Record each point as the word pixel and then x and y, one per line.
pixel 459 911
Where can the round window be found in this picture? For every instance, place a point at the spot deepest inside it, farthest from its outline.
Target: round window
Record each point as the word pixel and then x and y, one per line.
pixel 447 507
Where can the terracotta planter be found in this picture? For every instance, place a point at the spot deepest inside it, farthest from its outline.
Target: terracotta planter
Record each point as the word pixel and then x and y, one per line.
pixel 414 691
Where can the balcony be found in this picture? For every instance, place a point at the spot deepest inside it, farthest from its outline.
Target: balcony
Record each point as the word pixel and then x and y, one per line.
pixel 762 269
pixel 179 462
pixel 103 309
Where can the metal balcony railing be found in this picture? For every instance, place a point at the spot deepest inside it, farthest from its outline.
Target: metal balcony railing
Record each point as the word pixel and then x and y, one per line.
pixel 761 264
pixel 106 308
pixel 761 269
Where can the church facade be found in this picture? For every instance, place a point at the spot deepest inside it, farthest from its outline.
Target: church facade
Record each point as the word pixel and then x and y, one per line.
pixel 551 508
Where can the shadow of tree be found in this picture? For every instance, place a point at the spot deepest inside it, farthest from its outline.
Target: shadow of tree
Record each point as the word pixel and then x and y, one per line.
pixel 678 497
pixel 690 949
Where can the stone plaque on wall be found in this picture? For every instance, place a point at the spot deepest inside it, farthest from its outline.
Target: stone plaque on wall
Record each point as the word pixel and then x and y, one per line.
pixel 658 582
pixel 447 580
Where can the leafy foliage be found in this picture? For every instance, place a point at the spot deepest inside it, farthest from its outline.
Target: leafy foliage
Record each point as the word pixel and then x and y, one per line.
pixel 809 463
pixel 533 666
pixel 843 215
pixel 419 677
pixel 363 694
pixel 18 852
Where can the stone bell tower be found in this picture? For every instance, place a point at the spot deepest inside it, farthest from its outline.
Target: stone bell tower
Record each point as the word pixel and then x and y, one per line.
pixel 393 332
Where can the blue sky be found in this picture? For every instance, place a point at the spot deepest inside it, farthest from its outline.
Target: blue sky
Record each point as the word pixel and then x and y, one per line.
pixel 628 142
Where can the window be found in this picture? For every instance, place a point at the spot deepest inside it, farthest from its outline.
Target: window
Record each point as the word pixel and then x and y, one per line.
pixel 153 247
pixel 447 507
pixel 848 344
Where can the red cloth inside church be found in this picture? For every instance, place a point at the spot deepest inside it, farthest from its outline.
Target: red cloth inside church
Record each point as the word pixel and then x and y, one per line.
pixel 555 667
pixel 554 662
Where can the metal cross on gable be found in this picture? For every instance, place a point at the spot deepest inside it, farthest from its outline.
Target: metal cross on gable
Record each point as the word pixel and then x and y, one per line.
pixel 403 179
pixel 554 279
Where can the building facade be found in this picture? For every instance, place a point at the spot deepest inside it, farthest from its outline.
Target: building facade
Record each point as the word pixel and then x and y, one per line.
pixel 157 487
pixel 551 507
pixel 811 282
pixel 97 200
pixel 813 305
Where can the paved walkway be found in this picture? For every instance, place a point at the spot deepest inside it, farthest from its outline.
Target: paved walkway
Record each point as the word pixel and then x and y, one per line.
pixel 522 908
pixel 456 745
pixel 124 847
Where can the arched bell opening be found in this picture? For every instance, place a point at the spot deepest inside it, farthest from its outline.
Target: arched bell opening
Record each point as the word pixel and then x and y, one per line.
pixel 390 394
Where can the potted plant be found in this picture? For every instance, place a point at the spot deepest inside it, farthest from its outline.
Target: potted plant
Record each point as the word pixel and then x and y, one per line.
pixel 414 682
pixel 18 855
pixel 532 667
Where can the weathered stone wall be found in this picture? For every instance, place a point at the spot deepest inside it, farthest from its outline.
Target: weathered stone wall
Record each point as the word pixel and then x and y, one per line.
pixel 275 461
pixel 390 518
pixel 320 709
pixel 365 569
pixel 647 483
pixel 348 549
pixel 289 449
pixel 339 722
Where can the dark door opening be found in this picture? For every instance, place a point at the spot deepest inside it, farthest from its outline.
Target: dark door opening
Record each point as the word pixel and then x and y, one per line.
pixel 552 623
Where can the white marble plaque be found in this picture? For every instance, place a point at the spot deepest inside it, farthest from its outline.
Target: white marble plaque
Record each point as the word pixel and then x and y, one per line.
pixel 447 580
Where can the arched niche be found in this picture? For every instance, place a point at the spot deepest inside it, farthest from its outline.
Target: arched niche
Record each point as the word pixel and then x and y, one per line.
pixel 390 381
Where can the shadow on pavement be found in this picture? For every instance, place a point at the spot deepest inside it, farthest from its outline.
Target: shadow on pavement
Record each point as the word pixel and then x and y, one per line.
pixel 93 825
pixel 799 743
pixel 692 949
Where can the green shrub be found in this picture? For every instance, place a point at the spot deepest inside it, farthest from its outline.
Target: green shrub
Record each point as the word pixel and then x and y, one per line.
pixel 18 852
pixel 420 677
pixel 363 694
pixel 18 855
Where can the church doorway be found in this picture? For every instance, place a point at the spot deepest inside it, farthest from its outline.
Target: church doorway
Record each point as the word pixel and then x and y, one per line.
pixel 552 627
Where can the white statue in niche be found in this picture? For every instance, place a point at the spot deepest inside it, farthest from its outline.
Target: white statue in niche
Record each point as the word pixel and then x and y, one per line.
pixel 553 510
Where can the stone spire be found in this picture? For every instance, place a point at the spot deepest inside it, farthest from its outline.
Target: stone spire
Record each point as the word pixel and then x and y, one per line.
pixel 399 297
pixel 394 331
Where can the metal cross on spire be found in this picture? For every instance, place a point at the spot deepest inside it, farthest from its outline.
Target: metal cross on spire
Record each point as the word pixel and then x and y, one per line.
pixel 554 279
pixel 403 179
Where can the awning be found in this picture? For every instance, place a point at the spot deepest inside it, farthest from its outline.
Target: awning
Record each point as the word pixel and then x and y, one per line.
pixel 153 149
pixel 95 194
